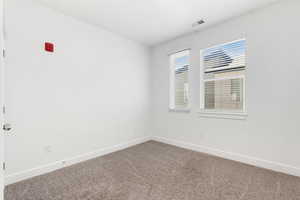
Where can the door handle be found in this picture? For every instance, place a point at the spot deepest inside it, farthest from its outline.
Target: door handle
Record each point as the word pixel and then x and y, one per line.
pixel 6 127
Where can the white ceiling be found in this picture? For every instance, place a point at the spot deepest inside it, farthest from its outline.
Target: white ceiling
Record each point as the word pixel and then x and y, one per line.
pixel 153 21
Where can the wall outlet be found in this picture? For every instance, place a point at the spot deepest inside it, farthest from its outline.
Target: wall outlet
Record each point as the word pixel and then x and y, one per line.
pixel 48 149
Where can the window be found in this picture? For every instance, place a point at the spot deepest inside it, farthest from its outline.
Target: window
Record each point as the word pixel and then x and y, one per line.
pixel 179 86
pixel 223 77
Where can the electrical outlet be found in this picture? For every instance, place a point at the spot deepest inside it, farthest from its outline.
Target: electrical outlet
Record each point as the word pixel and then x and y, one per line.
pixel 48 149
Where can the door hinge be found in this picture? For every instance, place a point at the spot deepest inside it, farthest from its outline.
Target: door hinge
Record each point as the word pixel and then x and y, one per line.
pixel 3 109
pixel 3 53
pixel 4 166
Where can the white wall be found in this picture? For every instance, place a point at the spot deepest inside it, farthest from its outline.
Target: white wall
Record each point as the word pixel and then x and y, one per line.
pixel 1 101
pixel 271 131
pixel 91 93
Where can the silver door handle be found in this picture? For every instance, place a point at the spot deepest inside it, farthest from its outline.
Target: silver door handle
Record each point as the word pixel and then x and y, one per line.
pixel 6 127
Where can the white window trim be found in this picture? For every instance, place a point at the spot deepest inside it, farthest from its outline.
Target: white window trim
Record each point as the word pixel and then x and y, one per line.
pixel 180 110
pixel 172 107
pixel 221 114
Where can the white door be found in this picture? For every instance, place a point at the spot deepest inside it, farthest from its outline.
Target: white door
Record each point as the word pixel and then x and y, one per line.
pixel 1 102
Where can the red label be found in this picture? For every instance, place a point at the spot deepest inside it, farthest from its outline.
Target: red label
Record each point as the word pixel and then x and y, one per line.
pixel 49 47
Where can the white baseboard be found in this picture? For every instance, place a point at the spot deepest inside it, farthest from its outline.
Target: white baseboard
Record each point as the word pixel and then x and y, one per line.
pixel 16 177
pixel 278 167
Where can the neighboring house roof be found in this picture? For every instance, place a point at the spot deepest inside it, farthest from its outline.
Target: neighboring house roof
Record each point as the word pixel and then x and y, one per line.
pixel 216 59
pixel 182 69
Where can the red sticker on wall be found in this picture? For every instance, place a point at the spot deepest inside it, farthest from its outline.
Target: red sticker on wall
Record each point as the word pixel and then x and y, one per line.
pixel 49 47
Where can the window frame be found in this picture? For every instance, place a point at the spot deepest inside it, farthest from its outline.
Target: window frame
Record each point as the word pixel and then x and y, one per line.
pixel 221 113
pixel 172 106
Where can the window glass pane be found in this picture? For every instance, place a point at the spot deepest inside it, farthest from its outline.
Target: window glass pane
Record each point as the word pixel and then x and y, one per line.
pixel 179 70
pixel 227 56
pixel 223 75
pixel 224 94
pixel 181 87
pixel 181 61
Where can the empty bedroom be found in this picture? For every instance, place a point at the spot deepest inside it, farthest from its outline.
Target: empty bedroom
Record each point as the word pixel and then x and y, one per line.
pixel 149 100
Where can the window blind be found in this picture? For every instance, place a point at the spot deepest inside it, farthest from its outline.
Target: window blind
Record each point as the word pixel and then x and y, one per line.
pixel 224 76
pixel 179 80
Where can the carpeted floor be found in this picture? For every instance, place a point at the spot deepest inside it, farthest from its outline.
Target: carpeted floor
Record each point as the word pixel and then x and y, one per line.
pixel 156 171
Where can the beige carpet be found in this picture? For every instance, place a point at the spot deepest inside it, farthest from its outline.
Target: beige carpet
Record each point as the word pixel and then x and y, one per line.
pixel 156 171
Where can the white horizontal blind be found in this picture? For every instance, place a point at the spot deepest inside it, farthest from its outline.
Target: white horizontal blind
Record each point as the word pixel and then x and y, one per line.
pixel 179 86
pixel 224 76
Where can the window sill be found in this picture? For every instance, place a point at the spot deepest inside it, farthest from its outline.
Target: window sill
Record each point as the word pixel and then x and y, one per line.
pixel 223 115
pixel 179 110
